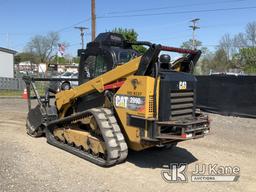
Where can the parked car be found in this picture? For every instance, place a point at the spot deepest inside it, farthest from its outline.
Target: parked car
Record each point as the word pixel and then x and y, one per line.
pixel 65 84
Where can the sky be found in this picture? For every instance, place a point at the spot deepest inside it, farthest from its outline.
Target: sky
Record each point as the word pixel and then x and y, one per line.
pixel 163 21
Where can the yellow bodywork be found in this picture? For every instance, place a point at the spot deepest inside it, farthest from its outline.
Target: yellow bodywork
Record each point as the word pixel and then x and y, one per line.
pixel 144 89
pixel 80 138
pixel 64 98
pixel 134 86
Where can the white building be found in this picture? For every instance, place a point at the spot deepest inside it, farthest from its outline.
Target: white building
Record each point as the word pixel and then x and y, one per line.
pixel 7 62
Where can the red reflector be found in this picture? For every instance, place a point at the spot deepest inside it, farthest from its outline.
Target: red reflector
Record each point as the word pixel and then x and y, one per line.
pixel 114 85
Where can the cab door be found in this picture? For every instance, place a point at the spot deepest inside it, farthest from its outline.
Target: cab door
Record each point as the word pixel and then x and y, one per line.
pixel 93 63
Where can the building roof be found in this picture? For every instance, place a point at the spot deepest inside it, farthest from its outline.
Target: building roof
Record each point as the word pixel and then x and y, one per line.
pixel 8 50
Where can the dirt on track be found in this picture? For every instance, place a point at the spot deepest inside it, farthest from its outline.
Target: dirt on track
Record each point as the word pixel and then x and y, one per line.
pixel 29 164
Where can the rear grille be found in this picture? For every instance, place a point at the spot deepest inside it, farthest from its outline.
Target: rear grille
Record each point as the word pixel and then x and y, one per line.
pixel 182 104
pixel 151 104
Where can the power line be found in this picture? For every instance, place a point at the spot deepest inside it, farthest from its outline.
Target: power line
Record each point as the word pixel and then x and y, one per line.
pixel 173 7
pixel 163 13
pixel 222 25
pixel 170 38
pixel 73 25
pixel 18 34
pixel 179 12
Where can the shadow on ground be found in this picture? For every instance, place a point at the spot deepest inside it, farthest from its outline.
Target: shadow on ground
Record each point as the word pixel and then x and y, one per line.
pixel 157 158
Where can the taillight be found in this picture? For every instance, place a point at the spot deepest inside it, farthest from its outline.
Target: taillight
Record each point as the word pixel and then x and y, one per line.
pixel 186 135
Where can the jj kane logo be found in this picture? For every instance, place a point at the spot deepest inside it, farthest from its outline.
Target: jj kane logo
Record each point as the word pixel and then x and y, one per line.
pixel 201 173
pixel 175 173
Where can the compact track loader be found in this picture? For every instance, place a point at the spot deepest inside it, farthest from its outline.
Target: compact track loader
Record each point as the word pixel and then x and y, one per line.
pixel 123 100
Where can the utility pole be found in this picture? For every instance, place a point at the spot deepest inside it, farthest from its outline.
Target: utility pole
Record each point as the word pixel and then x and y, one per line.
pixel 82 34
pixel 93 16
pixel 194 28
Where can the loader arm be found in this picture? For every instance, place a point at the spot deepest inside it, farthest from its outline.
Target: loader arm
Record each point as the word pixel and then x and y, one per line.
pixel 64 98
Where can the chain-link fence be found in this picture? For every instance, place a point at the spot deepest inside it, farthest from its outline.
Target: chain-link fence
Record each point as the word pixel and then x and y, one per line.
pixel 11 86
pixel 16 86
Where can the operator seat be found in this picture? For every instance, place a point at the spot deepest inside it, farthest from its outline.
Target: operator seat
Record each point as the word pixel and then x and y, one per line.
pixel 165 60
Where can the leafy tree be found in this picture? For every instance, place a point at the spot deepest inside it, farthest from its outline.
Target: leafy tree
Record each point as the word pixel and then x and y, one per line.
pixel 26 56
pixel 189 44
pixel 76 59
pixel 248 59
pixel 217 61
pixel 220 60
pixel 131 35
pixel 60 60
pixel 205 63
pixel 198 45
pixel 232 52
pixel 67 59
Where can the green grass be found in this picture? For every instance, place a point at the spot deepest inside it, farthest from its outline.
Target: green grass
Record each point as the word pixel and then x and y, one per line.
pixel 10 93
pixel 39 85
pixel 16 93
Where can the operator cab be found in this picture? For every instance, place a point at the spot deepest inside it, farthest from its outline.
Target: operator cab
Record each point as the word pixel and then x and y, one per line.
pixel 106 52
pixel 103 54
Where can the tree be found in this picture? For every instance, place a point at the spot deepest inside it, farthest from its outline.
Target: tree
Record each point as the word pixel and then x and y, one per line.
pixel 76 59
pixel 227 45
pixel 67 59
pixel 44 46
pixel 59 60
pixel 251 33
pixel 247 39
pixel 198 45
pixel 189 44
pixel 206 63
pixel 233 52
pixel 130 35
pixel 217 61
pixel 240 41
pixel 26 56
pixel 220 61
pixel 248 59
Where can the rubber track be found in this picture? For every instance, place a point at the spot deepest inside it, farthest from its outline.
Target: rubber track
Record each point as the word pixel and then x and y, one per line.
pixel 116 146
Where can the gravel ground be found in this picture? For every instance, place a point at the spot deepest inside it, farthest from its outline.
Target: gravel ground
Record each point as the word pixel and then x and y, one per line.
pixel 29 164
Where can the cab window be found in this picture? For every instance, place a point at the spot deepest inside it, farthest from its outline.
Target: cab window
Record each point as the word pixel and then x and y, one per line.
pixel 124 57
pixel 101 66
pixel 89 66
pixel 95 66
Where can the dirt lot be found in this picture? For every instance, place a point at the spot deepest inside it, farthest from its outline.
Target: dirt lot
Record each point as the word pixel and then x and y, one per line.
pixel 28 164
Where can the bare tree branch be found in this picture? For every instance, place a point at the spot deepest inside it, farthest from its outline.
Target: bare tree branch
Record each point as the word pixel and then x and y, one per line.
pixel 44 46
pixel 251 33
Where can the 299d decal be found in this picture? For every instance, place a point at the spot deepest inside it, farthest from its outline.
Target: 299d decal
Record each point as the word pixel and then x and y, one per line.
pixel 130 102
